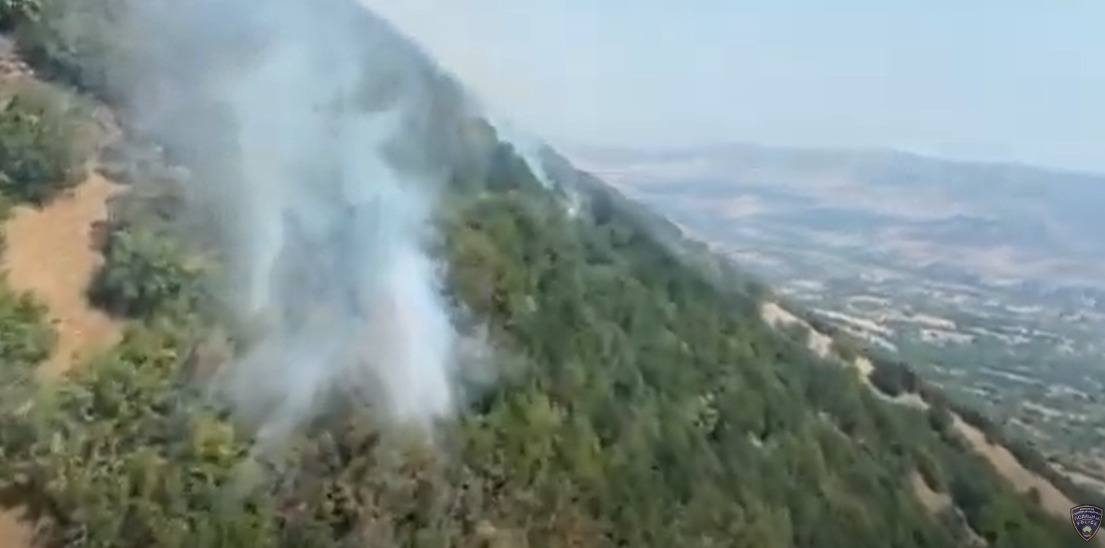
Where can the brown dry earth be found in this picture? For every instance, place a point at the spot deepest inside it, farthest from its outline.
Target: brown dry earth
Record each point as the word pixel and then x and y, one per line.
pixel 1022 478
pixel 49 252
pixel 14 533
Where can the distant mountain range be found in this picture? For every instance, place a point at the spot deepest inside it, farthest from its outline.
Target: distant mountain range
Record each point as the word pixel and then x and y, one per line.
pixel 999 223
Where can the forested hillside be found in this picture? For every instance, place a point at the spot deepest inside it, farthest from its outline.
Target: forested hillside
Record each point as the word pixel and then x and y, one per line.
pixel 638 397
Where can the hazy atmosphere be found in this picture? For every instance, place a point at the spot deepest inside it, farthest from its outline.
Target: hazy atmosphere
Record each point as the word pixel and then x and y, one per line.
pixel 335 273
pixel 1016 81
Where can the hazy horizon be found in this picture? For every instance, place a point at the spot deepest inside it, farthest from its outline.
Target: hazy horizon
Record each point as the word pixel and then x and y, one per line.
pixel 605 153
pixel 989 81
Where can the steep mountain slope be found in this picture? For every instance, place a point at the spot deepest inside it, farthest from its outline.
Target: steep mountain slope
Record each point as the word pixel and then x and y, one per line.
pixel 637 397
pixel 986 276
pixel 1004 461
pixel 49 250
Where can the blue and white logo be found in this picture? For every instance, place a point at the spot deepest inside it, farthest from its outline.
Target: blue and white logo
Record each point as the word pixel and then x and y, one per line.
pixel 1086 520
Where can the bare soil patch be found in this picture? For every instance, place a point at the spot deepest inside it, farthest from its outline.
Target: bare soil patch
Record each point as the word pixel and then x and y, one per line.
pixel 50 252
pixel 14 532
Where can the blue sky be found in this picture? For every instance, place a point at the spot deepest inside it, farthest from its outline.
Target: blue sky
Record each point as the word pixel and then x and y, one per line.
pixel 1006 80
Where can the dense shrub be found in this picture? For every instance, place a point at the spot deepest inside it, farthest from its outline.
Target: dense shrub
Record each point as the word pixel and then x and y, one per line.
pixel 894 377
pixel 25 337
pixel 39 142
pixel 126 458
pixel 142 275
pixel 80 43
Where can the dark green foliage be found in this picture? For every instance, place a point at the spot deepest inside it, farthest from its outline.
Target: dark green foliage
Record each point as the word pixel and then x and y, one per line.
pixel 79 43
pixel 126 458
pixel 894 377
pixel 143 274
pixel 38 143
pixel 941 419
pixel 14 12
pixel 25 339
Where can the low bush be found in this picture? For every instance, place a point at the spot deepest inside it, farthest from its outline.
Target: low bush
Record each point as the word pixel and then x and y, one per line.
pixel 40 147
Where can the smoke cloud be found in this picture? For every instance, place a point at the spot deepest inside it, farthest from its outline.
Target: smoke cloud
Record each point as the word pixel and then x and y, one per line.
pixel 525 146
pixel 309 126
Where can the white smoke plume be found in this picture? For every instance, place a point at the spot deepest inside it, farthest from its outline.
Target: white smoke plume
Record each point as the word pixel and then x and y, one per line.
pixel 532 151
pixel 308 125
pixel 526 146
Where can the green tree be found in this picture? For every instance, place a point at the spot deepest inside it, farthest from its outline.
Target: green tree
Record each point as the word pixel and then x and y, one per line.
pixel 143 274
pixel 39 151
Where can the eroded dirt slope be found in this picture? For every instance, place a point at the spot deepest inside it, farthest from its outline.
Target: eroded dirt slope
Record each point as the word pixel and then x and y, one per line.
pixel 1022 478
pixel 49 252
